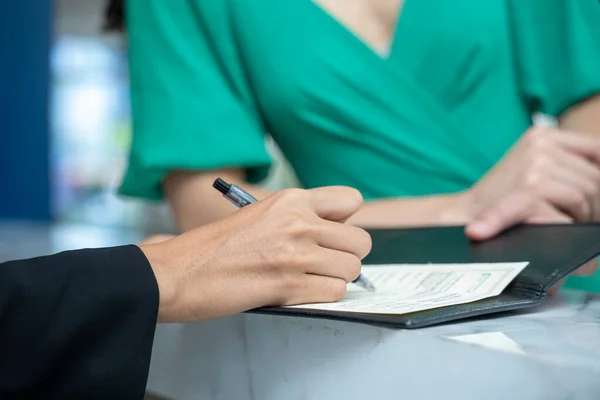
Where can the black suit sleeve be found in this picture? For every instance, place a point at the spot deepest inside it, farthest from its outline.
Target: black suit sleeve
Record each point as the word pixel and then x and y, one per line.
pixel 78 324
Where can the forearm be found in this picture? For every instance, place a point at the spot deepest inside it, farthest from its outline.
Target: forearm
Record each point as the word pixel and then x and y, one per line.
pixel 583 117
pixel 195 202
pixel 415 211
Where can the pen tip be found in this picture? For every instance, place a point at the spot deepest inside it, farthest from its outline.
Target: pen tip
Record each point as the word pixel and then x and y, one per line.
pixel 364 283
pixel 222 186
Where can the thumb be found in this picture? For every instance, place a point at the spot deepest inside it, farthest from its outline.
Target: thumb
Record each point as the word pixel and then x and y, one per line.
pixel 509 211
pixel 546 214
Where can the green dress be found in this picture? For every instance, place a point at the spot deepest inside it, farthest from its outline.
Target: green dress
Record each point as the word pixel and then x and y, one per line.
pixel 210 77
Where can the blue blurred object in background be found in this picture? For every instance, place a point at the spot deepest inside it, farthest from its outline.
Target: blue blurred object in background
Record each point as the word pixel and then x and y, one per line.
pixel 25 35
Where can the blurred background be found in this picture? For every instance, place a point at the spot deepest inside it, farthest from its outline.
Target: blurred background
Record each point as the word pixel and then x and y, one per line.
pixel 90 125
pixel 66 149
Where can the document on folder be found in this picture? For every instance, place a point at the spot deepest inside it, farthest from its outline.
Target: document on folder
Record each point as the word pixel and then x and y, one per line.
pixel 403 289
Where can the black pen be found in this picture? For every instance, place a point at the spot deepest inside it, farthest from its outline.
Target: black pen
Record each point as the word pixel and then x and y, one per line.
pixel 240 198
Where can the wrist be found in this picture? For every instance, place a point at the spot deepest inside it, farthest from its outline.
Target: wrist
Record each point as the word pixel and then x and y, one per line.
pixel 156 255
pixel 457 209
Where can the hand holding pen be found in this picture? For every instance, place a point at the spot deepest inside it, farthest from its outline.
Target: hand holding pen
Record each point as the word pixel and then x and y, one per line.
pixel 240 198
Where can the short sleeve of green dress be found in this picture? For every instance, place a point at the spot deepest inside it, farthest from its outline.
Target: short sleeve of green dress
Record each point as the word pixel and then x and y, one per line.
pixel 191 105
pixel 557 44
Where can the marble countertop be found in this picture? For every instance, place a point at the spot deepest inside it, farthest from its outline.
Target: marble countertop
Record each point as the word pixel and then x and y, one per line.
pixel 550 352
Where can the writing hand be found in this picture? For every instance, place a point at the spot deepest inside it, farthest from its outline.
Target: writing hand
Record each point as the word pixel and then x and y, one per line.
pixel 287 249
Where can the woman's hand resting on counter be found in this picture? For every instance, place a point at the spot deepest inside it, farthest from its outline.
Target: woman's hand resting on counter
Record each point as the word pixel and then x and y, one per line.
pixel 550 176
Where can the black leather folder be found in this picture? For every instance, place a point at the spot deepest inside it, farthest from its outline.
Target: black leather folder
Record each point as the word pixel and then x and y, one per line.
pixel 553 252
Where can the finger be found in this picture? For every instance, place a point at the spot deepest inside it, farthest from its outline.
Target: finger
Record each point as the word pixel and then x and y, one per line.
pixel 511 210
pixel 343 237
pixel 554 289
pixel 334 264
pixel 576 163
pixel 584 189
pixel 316 289
pixel 587 269
pixel 335 203
pixel 571 201
pixel 581 175
pixel 580 143
pixel 546 214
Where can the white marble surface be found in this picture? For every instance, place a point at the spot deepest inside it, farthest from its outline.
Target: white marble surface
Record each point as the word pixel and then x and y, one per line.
pixel 551 352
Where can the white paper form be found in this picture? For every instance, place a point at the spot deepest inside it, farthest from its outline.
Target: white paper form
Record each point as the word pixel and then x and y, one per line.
pixel 404 288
